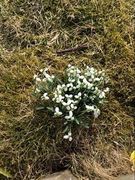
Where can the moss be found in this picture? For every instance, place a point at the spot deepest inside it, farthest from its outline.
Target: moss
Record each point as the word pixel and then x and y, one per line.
pixel 31 144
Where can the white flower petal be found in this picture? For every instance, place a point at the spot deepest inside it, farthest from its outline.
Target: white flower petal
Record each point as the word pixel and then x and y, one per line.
pixel 69 133
pixel 65 137
pixel 70 138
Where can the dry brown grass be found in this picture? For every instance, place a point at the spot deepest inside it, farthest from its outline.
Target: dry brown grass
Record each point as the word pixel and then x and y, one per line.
pixel 31 143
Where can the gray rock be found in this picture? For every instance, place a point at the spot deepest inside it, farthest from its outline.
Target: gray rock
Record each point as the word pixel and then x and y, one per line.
pixel 65 175
pixel 127 177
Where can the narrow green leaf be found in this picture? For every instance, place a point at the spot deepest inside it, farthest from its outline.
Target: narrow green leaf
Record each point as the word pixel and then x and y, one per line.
pixel 50 109
pixel 66 129
pixel 76 120
pixel 86 126
pixel 40 108
pixel 5 173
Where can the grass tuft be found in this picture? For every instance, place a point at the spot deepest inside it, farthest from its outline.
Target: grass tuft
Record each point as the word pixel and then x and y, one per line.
pixel 31 32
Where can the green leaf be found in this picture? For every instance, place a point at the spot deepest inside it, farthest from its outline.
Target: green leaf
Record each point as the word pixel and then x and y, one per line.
pixel 86 126
pixel 50 109
pixel 33 93
pixel 40 108
pixel 76 120
pixel 5 173
pixel 66 129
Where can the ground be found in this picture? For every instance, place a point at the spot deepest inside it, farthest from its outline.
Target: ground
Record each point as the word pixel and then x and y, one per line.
pixel 31 33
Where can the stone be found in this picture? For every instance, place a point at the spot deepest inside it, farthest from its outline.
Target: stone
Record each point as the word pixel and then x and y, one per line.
pixel 65 175
pixel 127 177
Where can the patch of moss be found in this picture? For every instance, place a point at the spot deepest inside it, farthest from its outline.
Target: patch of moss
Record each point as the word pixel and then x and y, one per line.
pixel 31 143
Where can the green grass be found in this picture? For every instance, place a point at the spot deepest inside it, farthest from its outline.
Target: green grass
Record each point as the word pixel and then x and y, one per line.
pixel 30 34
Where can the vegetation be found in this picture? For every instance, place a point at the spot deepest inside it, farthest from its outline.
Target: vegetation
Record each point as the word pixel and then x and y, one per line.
pixel 30 34
pixel 76 93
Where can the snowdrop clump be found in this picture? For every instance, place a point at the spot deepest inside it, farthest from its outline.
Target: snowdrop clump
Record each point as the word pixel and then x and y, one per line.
pixel 78 93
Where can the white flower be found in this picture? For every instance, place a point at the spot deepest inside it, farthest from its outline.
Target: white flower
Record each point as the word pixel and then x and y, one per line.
pixel 76 88
pixel 45 96
pixel 85 81
pixel 106 90
pixel 57 112
pixel 102 95
pixel 72 118
pixel 44 79
pixel 70 115
pixel 47 76
pixel 38 79
pixel 65 88
pixel 41 70
pixel 69 133
pixel 67 117
pixel 52 76
pixel 69 85
pixel 72 106
pixel 68 136
pixel 68 95
pixel 37 90
pixel 63 85
pixel 89 108
pixel 96 112
pixel 78 71
pixel 78 95
pixel 50 79
pixel 96 79
pixel 59 88
pixel 64 103
pixel 46 69
pixel 92 70
pixel 35 76
pixel 93 109
pixel 92 77
pixel 96 90
pixel 70 89
pixel 60 97
pixel 71 71
pixel 92 88
pixel 68 108
pixel 81 77
pixel 69 102
pixel 90 85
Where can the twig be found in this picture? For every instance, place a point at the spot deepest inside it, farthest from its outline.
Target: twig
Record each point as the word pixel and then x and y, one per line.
pixel 78 48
